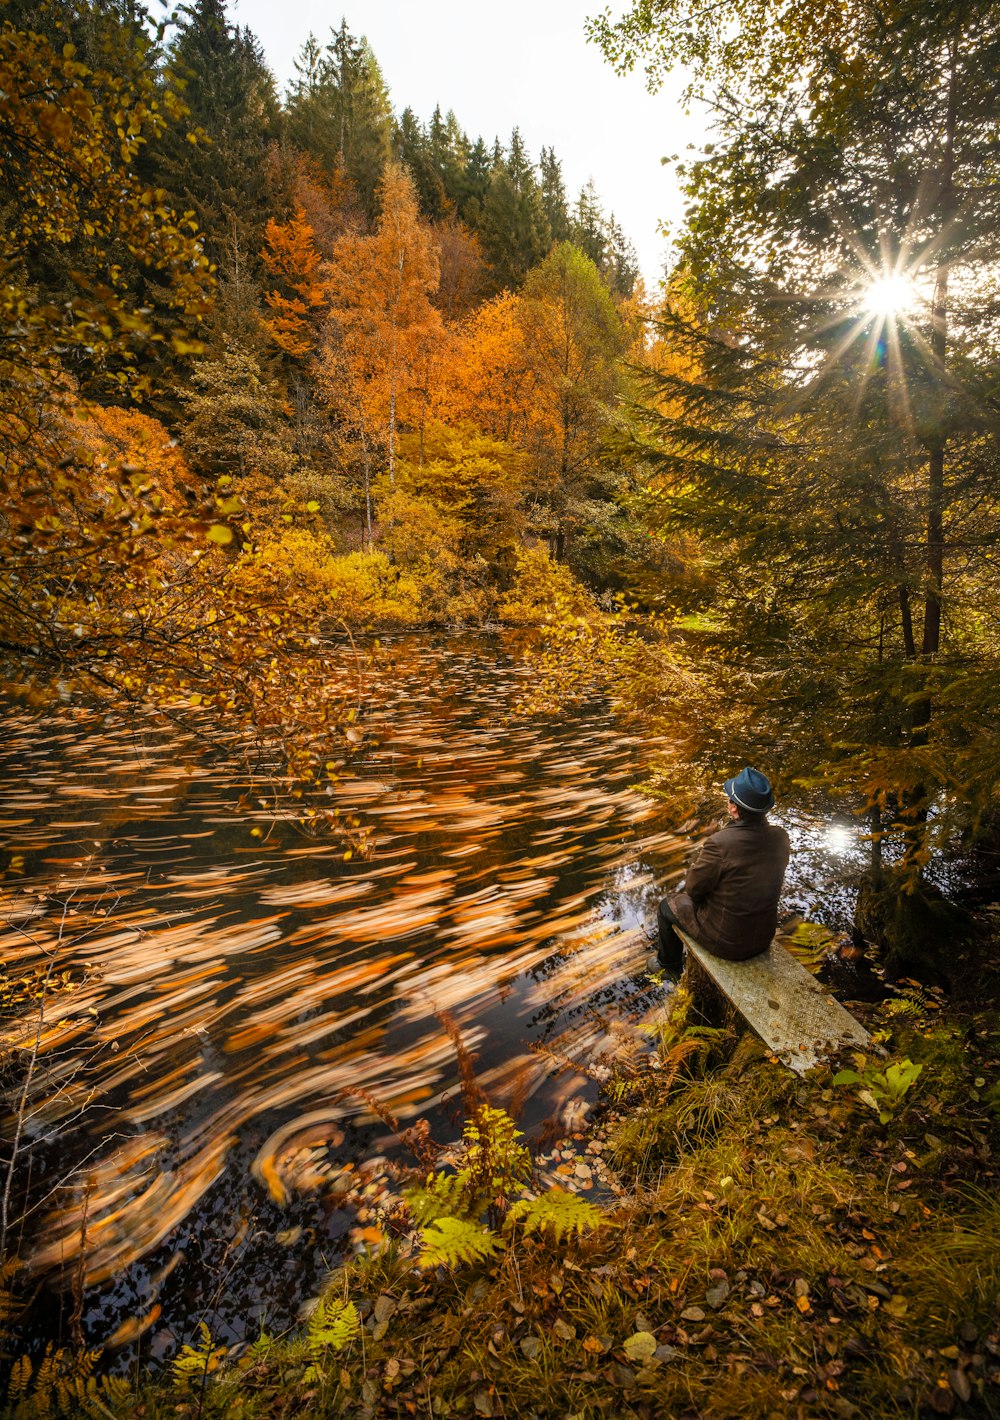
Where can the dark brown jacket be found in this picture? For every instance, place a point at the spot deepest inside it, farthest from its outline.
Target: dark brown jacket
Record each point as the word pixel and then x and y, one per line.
pixel 730 898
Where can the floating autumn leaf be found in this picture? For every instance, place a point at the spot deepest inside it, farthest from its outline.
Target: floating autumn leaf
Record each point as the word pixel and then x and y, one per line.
pixel 133 1327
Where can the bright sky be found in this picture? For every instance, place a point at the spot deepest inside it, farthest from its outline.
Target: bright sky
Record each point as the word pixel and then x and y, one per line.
pixel 525 63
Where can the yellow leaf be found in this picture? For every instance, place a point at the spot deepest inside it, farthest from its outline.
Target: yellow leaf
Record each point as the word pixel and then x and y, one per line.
pixel 220 534
pixel 640 1346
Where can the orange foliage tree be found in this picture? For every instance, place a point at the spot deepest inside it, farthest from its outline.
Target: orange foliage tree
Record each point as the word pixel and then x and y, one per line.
pixel 486 378
pixel 463 269
pixel 384 321
pixel 293 259
pixel 573 341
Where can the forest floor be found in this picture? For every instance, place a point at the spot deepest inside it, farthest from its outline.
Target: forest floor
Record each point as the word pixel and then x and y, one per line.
pixel 779 1246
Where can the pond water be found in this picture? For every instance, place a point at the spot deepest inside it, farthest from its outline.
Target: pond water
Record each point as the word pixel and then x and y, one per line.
pixel 244 1007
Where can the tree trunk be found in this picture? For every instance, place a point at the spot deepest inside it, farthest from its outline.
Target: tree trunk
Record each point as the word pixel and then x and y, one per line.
pixel 392 430
pixel 915 811
pixel 875 819
pixel 934 545
pixel 906 619
pixel 368 488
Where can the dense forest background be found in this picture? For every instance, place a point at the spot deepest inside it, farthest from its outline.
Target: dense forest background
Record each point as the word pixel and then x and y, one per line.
pixel 398 340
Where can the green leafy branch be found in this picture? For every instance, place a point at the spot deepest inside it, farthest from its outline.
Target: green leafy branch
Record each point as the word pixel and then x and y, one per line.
pixel 882 1091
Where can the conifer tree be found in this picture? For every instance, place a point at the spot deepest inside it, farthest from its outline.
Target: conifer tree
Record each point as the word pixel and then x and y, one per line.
pixel 293 260
pixel 453 156
pixel 621 262
pixel 311 122
pixel 413 148
pixel 236 421
pixel 214 162
pixel 513 228
pixel 554 195
pixel 839 446
pixel 587 227
pixel 338 110
pixel 475 183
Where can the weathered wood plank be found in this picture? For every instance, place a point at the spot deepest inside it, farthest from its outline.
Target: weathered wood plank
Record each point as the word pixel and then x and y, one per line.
pixel 796 1018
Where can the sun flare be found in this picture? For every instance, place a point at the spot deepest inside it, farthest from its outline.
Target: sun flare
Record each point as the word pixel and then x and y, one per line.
pixel 889 296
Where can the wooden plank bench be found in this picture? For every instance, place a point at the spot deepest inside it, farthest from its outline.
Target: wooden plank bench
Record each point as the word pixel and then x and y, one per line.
pixel 796 1018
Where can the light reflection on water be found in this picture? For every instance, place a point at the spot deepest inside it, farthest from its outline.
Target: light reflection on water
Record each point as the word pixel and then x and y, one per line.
pixel 245 1004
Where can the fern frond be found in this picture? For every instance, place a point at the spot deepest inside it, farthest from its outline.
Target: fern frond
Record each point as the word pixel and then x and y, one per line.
pixel 20 1379
pixel 492 1153
pixel 8 1301
pixel 492 1165
pixel 558 1213
pixel 73 1377
pixel 193 1362
pixel 46 1377
pixel 452 1242
pixel 334 1323
pixel 903 1006
pixel 261 1346
pixel 117 1390
pixel 451 1195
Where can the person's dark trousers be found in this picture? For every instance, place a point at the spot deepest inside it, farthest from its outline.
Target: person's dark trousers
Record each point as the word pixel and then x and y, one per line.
pixel 670 953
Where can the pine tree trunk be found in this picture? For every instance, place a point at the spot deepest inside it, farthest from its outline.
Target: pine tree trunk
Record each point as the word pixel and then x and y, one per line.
pixel 934 545
pixel 915 812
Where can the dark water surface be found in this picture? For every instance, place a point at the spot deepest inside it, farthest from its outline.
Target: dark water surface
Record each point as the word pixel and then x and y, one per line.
pixel 245 997
pixel 246 1003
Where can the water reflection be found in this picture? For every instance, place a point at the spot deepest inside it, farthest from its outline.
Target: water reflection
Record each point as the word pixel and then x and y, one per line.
pixel 839 840
pixel 248 1006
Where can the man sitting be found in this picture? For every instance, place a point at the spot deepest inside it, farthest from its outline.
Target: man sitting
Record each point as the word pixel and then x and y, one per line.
pixel 729 902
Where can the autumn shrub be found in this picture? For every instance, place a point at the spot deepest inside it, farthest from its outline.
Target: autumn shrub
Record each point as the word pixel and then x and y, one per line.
pixel 360 589
pixel 114 436
pixel 365 589
pixel 478 485
pixel 292 560
pixel 427 545
pixel 543 590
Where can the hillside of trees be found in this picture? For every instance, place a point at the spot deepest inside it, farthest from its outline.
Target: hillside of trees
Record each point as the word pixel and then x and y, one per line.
pixel 365 322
